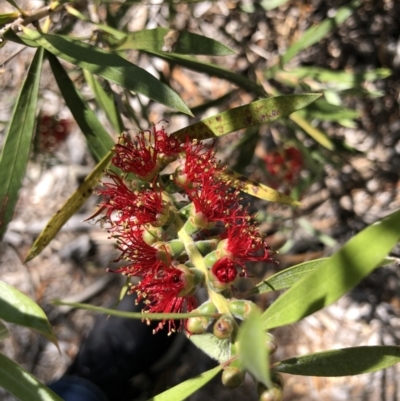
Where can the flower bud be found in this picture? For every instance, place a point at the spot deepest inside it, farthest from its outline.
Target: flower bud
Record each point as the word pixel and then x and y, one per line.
pixel 232 377
pixel 241 308
pixel 223 327
pixel 223 274
pixel 199 325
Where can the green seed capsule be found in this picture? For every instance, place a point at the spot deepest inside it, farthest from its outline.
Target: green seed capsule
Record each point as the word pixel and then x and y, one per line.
pixel 232 377
pixel 223 327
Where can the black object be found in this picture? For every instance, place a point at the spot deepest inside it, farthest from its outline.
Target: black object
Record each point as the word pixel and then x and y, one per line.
pixel 117 349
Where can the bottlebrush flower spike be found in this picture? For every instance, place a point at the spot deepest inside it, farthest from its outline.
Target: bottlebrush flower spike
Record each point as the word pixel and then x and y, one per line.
pixel 169 290
pixel 144 156
pixel 125 207
pixel 144 259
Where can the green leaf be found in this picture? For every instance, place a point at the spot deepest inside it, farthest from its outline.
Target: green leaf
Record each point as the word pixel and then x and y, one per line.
pixel 111 67
pixel 252 348
pixel 322 78
pixel 271 4
pixel 257 189
pixel 133 315
pixel 337 275
pixel 341 362
pixel 70 207
pixel 215 348
pixel 15 154
pixel 212 69
pixel 3 331
pixel 105 101
pixel 286 278
pixel 314 35
pixel 98 140
pixel 162 39
pixel 22 384
pixel 16 307
pixel 188 387
pixel 314 132
pixel 21 39
pixel 8 17
pixel 116 33
pixel 252 114
pixel 322 110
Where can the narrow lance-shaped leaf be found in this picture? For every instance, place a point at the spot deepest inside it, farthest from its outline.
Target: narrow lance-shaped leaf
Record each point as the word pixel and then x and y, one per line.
pixel 252 348
pixel 22 384
pixel 258 189
pixel 105 101
pixel 15 154
pixel 16 307
pixel 337 275
pixel 98 140
pixel 188 387
pixel 212 69
pixel 171 40
pixel 341 362
pixel 314 35
pixel 111 67
pixel 70 207
pixel 252 114
pixel 286 278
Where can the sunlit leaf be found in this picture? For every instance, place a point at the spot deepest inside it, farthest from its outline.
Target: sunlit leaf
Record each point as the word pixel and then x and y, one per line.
pixel 188 387
pixel 341 362
pixel 252 114
pixel 218 349
pixel 258 189
pixel 337 275
pixel 17 143
pixel 162 39
pixel 271 4
pixel 286 278
pixel 10 35
pixel 8 17
pixel 252 348
pixel 98 140
pixel 110 66
pixel 70 207
pixel 22 384
pixel 314 132
pixel 16 307
pixel 314 35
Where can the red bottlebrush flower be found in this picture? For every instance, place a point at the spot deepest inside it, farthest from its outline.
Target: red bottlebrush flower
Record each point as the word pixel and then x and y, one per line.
pixel 243 243
pixel 214 200
pixel 199 161
pixel 169 290
pixel 144 155
pixel 137 157
pixel 143 258
pixel 52 132
pixel 224 270
pixel 284 165
pixel 126 207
